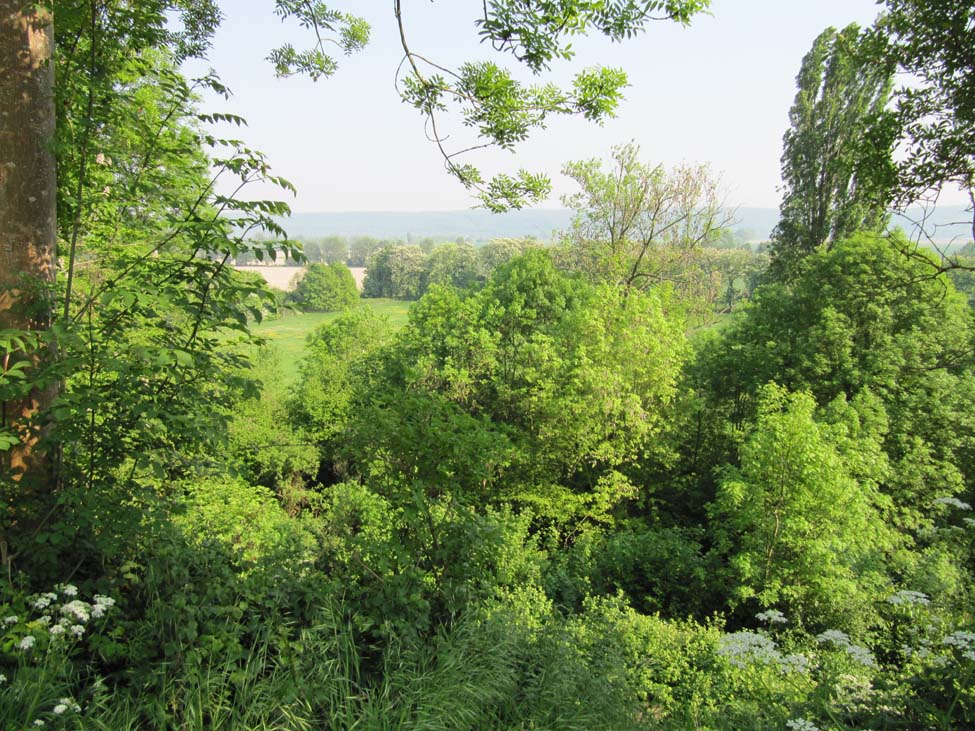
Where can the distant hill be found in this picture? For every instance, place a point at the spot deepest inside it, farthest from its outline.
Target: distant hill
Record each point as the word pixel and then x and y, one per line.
pixel 946 224
pixel 476 225
pixel 752 224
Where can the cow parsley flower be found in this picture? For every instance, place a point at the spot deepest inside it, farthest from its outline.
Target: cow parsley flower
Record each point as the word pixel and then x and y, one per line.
pixel 59 709
pixel 862 655
pixel 953 502
pixel 905 596
pixel 834 636
pixel 794 663
pixel 77 630
pixel 743 648
pixel 961 640
pixel 12 619
pixel 801 724
pixel 69 703
pixel 102 604
pixel 771 616
pixel 67 589
pixel 78 609
pixel 26 643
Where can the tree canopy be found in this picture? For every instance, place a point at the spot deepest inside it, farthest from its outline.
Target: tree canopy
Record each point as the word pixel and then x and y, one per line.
pixel 840 91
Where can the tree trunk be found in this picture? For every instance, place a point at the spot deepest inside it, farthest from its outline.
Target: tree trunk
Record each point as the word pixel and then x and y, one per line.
pixel 27 207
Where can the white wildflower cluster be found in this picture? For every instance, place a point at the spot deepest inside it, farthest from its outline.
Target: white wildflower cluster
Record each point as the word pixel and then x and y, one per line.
pixel 747 648
pixel 833 636
pixel 906 597
pixel 61 614
pixel 962 641
pixel 840 639
pixel 77 609
pixel 952 502
pixel 64 705
pixel 922 652
pixel 801 724
pixel 43 601
pixel 771 616
pixel 102 604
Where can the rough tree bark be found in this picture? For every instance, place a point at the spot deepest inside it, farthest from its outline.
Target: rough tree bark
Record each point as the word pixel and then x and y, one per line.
pixel 27 200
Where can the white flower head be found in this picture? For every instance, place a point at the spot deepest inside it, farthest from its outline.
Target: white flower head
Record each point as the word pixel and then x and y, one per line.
pixel 78 609
pixel 953 502
pixel 862 655
pixel 77 630
pixel 38 722
pixel 3 678
pixel 771 616
pixel 69 703
pixel 26 643
pixel 801 724
pixel 960 639
pixel 12 619
pixel 57 630
pixel 67 589
pixel 794 663
pixel 833 636
pixel 905 596
pixel 59 709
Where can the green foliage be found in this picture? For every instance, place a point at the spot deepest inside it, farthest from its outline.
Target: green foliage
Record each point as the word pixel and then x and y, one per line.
pixel 500 516
pixel 933 118
pixel 455 265
pixel 502 110
pixel 348 32
pixel 637 226
pixel 840 90
pixel 335 355
pixel 574 377
pixel 803 535
pixel 262 441
pixel 395 272
pixel 864 323
pixel 325 288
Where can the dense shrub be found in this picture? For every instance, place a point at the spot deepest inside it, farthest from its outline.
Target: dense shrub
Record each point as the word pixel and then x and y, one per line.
pixel 325 288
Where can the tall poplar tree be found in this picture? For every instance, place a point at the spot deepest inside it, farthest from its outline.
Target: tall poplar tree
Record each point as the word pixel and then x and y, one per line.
pixel 825 197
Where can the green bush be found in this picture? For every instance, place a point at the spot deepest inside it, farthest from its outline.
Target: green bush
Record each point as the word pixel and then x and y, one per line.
pixel 325 288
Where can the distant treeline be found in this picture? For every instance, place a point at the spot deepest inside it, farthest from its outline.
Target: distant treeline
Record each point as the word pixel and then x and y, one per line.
pixel 351 250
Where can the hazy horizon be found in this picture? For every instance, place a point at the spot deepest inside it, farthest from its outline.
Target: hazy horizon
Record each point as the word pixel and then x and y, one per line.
pixel 718 91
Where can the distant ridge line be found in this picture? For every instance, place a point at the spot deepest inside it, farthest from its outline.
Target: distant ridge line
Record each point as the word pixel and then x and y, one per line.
pixel 754 224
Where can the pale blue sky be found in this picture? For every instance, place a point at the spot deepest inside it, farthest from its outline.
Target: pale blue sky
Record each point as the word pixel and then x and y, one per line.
pixel 718 91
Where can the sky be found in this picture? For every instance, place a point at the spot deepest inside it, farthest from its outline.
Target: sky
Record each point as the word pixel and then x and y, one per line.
pixel 717 91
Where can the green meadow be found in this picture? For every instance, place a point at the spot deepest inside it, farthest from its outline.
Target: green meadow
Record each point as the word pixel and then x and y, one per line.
pixel 287 334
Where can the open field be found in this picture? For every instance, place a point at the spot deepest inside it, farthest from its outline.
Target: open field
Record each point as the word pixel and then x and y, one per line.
pixel 286 277
pixel 287 334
